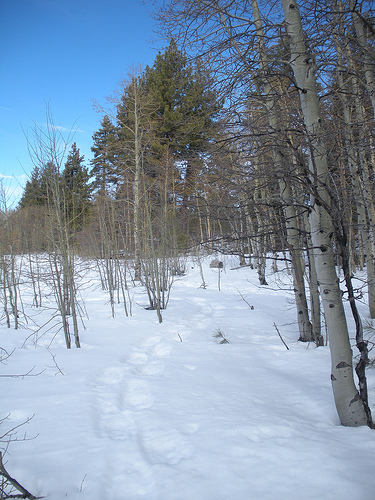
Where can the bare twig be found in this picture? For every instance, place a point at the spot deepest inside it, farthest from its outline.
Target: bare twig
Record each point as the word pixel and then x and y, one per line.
pixel 54 360
pixel 22 375
pixel 81 487
pixel 35 332
pixel 243 298
pixel 278 332
pixel 4 354
pixel 13 483
pixel 9 433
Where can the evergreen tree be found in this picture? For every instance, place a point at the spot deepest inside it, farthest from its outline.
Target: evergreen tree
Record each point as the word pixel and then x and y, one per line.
pixel 186 109
pixel 32 193
pixel 37 191
pixel 166 119
pixel 104 161
pixel 185 101
pixel 76 189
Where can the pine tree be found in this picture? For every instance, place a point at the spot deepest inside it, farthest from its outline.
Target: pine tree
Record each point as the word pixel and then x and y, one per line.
pixel 32 194
pixel 186 103
pixel 37 191
pixel 104 161
pixel 186 112
pixel 76 189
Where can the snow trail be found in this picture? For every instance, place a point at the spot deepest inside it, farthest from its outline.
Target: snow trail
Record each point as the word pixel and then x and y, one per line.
pixel 122 394
pixel 137 419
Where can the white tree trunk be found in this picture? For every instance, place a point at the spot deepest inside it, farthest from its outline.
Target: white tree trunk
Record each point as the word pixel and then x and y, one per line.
pixel 357 167
pixel 365 46
pixel 349 405
pixel 291 216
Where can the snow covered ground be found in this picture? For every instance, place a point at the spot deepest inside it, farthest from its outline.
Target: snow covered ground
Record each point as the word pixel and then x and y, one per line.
pixel 165 412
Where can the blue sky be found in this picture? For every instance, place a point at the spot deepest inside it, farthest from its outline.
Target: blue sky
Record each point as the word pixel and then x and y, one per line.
pixel 66 53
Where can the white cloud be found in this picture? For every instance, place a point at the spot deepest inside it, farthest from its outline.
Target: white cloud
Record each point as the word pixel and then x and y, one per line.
pixel 60 128
pixel 17 178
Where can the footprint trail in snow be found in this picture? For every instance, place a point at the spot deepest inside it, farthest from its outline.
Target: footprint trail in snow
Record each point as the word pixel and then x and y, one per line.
pixel 138 438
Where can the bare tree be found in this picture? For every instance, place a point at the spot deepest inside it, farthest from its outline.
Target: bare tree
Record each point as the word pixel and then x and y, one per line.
pixel 47 151
pixel 350 407
pixel 10 265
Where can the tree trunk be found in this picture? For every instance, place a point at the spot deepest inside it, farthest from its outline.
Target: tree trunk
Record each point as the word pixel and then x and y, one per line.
pixel 137 184
pixel 314 287
pixel 357 162
pixel 348 402
pixel 365 46
pixel 291 217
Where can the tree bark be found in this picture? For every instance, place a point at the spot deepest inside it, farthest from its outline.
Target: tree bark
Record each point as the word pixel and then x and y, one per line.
pixel 348 402
pixel 291 217
pixel 356 155
pixel 367 57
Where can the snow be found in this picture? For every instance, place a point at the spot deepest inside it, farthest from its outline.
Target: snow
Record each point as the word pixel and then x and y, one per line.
pixel 165 412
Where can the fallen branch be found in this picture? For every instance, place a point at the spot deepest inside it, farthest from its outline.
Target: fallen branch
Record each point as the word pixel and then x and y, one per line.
pixel 12 483
pixel 243 298
pixel 282 340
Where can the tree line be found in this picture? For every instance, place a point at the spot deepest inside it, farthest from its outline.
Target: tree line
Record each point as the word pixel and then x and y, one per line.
pixel 252 134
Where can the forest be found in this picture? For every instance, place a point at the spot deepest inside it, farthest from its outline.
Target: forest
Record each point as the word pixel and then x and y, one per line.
pixel 251 135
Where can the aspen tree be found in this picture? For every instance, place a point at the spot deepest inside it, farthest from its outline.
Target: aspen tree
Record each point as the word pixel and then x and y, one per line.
pixel 350 407
pixel 291 217
pixel 47 152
